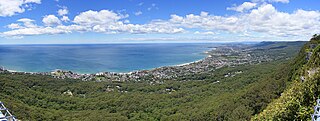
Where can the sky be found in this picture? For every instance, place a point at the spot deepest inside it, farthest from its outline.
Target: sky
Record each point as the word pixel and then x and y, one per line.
pixel 149 21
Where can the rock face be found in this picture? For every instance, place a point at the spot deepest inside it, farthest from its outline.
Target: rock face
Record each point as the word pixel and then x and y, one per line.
pixel 68 93
pixel 309 54
pixel 313 71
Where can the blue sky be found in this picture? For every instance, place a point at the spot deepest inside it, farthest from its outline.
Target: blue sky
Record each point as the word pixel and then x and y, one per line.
pixel 123 21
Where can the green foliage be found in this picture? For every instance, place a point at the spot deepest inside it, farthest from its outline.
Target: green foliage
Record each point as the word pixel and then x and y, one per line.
pixel 316 37
pixel 33 97
pixel 297 101
pixel 203 96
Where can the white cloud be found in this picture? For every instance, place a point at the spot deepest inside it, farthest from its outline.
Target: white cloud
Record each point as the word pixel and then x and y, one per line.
pixel 65 19
pixel 51 20
pixel 268 20
pixel 14 26
pixel 126 21
pixel 176 18
pixel 109 22
pixel 205 33
pixel 63 11
pixel 28 28
pixel 138 13
pixel 25 20
pixel 11 7
pixel 271 1
pixel 103 21
pixel 208 22
pixel 32 1
pixel 71 28
pixel 264 20
pixel 28 23
pixel 282 1
pixel 90 18
pixel 243 7
pixel 34 31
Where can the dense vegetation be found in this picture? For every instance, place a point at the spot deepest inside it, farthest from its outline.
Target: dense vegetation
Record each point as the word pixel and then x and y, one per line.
pixel 297 101
pixel 200 97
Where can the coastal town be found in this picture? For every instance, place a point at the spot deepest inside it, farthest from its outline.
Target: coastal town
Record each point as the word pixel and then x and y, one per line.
pixel 217 57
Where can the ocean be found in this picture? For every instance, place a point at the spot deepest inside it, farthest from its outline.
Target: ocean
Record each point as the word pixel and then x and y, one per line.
pixel 93 58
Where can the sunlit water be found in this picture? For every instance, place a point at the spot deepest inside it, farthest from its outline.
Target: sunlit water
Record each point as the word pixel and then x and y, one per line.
pixel 92 58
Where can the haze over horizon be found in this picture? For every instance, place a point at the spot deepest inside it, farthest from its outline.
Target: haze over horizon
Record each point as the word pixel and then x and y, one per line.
pixel 136 21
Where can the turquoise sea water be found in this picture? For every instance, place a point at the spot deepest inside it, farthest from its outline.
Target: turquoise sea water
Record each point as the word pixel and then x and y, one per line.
pixel 93 58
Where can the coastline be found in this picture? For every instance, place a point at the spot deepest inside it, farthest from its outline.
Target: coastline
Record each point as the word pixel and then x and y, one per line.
pixel 184 64
pixel 180 65
pixel 126 59
pixel 211 59
pixel 130 72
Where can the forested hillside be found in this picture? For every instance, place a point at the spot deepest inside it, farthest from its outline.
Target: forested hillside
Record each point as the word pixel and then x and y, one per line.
pixel 298 100
pixel 229 93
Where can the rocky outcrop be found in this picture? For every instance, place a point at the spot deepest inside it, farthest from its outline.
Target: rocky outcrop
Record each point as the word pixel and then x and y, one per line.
pixel 68 93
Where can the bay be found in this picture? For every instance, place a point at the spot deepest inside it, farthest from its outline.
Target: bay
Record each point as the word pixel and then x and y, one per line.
pixel 93 58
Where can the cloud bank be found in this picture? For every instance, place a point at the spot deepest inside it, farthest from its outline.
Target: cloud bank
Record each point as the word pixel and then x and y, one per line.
pixel 257 16
pixel 11 7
